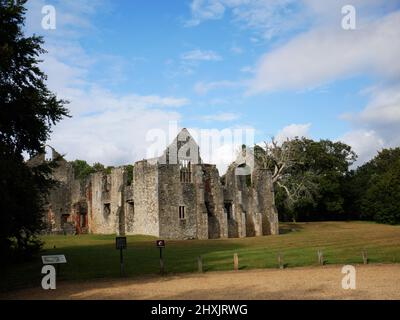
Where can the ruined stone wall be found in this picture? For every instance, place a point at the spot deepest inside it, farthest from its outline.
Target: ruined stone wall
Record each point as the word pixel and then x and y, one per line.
pixel 104 204
pixel 201 210
pixel 266 201
pixel 173 194
pixel 233 197
pixel 59 200
pixel 106 201
pixel 60 217
pixel 253 206
pixel 214 201
pixel 129 210
pixel 145 185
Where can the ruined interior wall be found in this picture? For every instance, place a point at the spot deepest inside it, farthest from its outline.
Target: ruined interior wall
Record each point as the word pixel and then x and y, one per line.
pixel 78 204
pixel 59 203
pixel 61 214
pixel 60 199
pixel 263 187
pixel 145 218
pixel 214 200
pixel 253 206
pixel 201 210
pixel 118 180
pixel 234 196
pixel 172 194
pixel 106 201
pixel 129 209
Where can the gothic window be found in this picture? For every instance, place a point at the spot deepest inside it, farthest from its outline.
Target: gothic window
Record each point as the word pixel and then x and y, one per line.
pixel 131 206
pixel 64 219
pixel 106 210
pixel 208 208
pixel 106 183
pixel 185 171
pixel 228 210
pixel 181 212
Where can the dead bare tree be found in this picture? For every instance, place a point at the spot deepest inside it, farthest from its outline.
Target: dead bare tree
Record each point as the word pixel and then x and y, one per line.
pixel 284 161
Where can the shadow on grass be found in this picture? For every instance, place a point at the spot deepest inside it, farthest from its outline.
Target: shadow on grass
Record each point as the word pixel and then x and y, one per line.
pixel 290 228
pixel 103 261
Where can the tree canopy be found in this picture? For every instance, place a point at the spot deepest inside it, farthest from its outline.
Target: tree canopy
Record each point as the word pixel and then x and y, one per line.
pixel 308 176
pixel 28 110
pixel 374 188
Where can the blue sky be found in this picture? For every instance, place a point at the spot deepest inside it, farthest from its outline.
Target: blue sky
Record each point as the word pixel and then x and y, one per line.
pixel 283 68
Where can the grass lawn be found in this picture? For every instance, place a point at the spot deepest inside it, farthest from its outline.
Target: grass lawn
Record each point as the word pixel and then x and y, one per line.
pixel 95 256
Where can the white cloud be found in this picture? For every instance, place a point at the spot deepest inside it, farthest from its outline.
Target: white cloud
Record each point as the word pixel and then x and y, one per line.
pixel 105 127
pixel 73 19
pixel 203 88
pixel 384 108
pixel 377 126
pixel 271 18
pixel 201 55
pixel 292 131
pixel 364 143
pixel 247 69
pixel 114 137
pixel 327 54
pixel 222 117
pixel 237 50
pixel 221 146
pixel 268 18
pixel 205 10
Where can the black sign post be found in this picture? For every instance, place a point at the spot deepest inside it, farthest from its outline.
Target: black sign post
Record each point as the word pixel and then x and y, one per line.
pixel 120 243
pixel 161 245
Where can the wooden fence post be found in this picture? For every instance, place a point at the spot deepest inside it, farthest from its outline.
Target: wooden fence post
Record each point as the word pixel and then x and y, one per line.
pixel 320 257
pixel 365 256
pixel 200 264
pixel 235 262
pixel 280 261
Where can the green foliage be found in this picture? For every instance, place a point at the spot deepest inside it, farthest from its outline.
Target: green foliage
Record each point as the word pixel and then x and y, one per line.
pixel 318 170
pixel 98 167
pixel 375 188
pixel 129 178
pixel 82 169
pixel 108 169
pixel 27 112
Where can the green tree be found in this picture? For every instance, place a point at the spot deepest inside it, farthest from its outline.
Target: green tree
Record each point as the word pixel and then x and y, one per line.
pixel 129 178
pixel 82 169
pixel 97 167
pixel 294 184
pixel 28 110
pixel 382 199
pixel 371 188
pixel 308 176
pixel 330 162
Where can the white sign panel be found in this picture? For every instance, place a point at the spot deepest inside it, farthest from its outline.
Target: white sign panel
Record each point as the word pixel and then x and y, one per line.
pixel 59 258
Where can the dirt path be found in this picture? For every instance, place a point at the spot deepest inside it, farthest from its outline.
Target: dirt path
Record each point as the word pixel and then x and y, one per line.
pixel 372 282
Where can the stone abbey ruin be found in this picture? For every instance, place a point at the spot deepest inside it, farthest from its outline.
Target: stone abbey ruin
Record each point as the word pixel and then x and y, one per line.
pixel 175 196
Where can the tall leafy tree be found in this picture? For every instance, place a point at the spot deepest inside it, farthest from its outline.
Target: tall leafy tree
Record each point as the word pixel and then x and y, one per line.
pixel 28 110
pixel 373 189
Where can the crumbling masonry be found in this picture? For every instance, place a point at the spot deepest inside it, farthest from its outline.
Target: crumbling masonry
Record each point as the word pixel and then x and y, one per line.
pixel 175 196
